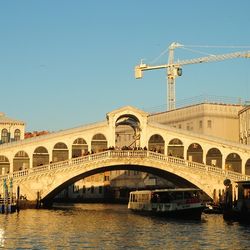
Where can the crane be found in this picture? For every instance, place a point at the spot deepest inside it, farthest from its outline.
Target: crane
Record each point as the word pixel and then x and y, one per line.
pixel 174 69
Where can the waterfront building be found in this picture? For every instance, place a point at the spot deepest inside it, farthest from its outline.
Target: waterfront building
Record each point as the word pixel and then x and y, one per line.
pixel 244 122
pixel 213 119
pixel 11 129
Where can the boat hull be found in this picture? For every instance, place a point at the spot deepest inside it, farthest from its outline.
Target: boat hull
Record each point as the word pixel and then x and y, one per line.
pixel 187 214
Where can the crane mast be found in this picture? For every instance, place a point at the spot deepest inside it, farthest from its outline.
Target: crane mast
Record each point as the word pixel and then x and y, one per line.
pixel 174 69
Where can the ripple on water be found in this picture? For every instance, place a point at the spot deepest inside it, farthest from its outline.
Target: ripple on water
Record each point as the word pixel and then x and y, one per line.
pixel 102 226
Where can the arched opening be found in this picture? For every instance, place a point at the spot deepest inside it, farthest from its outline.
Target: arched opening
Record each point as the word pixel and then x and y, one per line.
pixel 233 163
pixel 17 135
pixel 214 158
pixel 21 161
pixel 127 132
pixel 60 152
pixel 98 143
pixel 79 147
pixel 195 153
pixel 40 157
pixel 176 148
pixel 247 166
pixel 4 136
pixel 156 143
pixel 4 165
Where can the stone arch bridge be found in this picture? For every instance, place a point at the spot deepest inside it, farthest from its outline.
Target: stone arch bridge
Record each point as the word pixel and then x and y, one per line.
pixel 44 165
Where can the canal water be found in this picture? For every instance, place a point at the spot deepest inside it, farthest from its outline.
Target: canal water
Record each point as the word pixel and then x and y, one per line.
pixel 102 226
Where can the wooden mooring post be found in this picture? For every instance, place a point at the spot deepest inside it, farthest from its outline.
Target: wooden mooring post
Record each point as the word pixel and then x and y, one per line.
pixel 7 198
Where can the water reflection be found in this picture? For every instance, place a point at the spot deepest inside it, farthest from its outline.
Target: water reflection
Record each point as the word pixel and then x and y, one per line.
pixel 100 226
pixel 1 237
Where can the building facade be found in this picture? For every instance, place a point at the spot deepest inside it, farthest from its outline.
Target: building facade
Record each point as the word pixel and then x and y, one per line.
pixel 244 123
pixel 10 129
pixel 213 119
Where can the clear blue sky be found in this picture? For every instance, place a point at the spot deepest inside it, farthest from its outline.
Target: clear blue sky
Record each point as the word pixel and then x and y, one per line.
pixel 68 63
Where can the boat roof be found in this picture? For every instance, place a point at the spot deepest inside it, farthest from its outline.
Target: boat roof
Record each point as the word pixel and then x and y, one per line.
pixel 167 190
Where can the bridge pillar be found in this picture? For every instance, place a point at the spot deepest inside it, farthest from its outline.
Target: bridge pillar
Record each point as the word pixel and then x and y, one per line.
pixel 243 165
pixel 50 157
pixel 204 156
pixel 185 154
pixel 11 166
pixel 223 162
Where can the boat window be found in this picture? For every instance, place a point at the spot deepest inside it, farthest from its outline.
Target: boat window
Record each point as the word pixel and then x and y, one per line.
pixel 188 195
pixel 140 197
pixel 165 198
pixel 161 197
pixel 177 195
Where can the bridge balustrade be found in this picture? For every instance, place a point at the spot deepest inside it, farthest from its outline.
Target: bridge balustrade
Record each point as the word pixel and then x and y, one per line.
pixel 178 162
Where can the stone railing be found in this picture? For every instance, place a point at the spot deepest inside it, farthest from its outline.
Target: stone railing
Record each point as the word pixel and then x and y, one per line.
pixel 126 154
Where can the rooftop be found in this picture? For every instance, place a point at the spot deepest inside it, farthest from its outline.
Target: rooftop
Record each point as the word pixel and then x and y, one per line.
pixel 7 120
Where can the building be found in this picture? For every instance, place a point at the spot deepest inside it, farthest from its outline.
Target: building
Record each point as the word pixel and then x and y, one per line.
pixel 214 119
pixel 11 130
pixel 244 123
pixel 35 133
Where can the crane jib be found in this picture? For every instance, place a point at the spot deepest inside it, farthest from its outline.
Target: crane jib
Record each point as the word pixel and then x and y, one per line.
pixel 174 68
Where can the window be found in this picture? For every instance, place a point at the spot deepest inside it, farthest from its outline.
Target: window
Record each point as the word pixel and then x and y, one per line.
pixel 4 136
pixel 17 135
pixel 209 124
pixel 92 189
pixel 200 124
pixel 100 189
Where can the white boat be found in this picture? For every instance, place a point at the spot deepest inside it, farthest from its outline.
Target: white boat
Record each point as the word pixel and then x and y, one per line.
pixel 181 203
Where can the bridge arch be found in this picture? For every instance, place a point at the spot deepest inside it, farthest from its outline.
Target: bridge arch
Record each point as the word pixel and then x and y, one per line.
pixel 21 161
pixel 214 157
pixel 60 152
pixel 79 147
pixel 177 180
pixel 40 156
pixel 176 148
pixel 98 143
pixel 4 165
pixel 127 131
pixel 195 153
pixel 156 143
pixel 234 163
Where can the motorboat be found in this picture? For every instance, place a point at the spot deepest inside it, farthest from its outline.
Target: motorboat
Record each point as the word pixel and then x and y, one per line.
pixel 184 203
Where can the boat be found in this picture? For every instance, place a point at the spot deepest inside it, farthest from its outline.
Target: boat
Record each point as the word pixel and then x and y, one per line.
pixel 212 208
pixel 184 203
pixel 237 201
